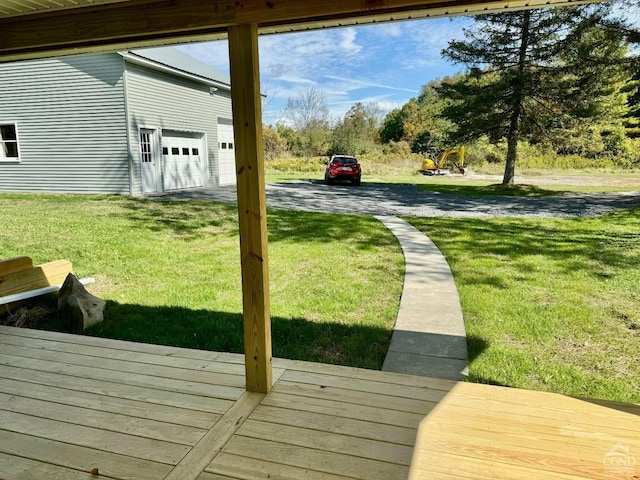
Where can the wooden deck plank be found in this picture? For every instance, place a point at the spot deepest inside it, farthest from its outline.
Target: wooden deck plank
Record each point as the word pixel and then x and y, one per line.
pixel 144 448
pixel 345 410
pixel 569 460
pixel 245 468
pixel 449 466
pixel 19 468
pixel 365 374
pixel 131 379
pixel 129 366
pixel 535 435
pixel 118 390
pixel 113 422
pixel 119 354
pixel 312 459
pixel 512 424
pixel 371 430
pixel 194 463
pixel 548 406
pixel 132 408
pixel 95 401
pixel 216 476
pixel 72 403
pixel 356 397
pixel 366 386
pixel 352 445
pixel 80 458
pixel 110 343
pixel 352 372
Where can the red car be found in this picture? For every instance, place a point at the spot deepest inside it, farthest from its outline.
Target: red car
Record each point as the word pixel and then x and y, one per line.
pixel 342 167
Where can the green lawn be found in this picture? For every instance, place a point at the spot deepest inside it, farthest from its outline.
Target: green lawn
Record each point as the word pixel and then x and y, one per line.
pixel 549 304
pixel 537 185
pixel 483 188
pixel 170 272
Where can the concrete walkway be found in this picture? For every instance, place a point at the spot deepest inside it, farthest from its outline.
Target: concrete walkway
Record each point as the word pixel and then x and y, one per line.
pixel 429 338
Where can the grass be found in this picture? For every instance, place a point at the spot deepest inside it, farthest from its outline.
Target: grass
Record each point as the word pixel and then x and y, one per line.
pixel 537 185
pixel 170 272
pixel 549 304
pixel 472 188
pixel 482 189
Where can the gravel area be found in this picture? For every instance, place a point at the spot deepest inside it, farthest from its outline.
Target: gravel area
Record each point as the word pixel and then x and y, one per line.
pixel 401 199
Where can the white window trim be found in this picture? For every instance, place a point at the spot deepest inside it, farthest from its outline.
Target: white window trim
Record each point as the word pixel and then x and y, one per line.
pixel 4 159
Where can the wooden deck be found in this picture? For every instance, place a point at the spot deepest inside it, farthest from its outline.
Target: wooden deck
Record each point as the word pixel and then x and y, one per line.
pixel 71 404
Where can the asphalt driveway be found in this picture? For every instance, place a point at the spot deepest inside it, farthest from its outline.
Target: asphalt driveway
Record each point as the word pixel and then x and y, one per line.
pixel 402 199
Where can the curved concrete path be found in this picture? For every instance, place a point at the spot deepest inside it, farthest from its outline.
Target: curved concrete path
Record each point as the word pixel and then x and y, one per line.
pixel 429 338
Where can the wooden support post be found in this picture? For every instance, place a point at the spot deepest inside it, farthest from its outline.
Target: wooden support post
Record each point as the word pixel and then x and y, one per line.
pixel 252 210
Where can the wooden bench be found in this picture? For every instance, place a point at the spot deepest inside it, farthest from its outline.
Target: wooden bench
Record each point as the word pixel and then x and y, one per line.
pixel 20 280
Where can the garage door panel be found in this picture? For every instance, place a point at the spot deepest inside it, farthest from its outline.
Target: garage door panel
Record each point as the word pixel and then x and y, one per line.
pixel 226 155
pixel 182 161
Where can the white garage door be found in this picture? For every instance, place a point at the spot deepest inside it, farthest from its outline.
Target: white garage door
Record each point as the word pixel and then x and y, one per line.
pixel 226 155
pixel 183 160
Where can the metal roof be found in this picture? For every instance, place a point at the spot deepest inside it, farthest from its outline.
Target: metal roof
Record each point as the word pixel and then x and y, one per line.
pixel 173 59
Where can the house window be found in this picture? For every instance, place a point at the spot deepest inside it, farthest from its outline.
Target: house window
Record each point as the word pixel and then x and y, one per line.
pixel 175 151
pixel 230 146
pixel 8 141
pixel 185 151
pixel 194 151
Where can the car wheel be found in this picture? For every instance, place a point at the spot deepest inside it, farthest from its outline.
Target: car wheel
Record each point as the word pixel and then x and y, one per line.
pixel 327 180
pixel 356 182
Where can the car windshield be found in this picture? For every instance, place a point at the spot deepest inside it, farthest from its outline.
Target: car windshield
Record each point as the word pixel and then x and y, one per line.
pixel 348 160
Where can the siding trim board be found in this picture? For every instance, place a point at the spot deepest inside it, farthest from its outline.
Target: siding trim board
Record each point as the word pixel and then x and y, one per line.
pixel 126 116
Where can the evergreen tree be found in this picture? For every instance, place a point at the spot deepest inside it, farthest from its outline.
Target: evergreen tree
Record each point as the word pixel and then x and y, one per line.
pixel 529 68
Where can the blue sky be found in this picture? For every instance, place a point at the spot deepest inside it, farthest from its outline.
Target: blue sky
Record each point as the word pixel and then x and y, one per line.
pixel 382 64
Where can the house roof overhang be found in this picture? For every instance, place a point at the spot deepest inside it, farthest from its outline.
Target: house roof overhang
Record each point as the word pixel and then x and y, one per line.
pixel 62 27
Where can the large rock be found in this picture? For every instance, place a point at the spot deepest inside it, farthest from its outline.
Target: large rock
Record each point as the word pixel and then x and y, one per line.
pixel 79 307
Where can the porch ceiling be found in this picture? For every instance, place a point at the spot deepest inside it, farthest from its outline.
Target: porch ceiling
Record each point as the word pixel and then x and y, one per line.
pixel 31 29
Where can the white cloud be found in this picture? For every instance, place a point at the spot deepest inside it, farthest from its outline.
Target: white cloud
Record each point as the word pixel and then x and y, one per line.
pixel 384 63
pixel 309 54
pixel 215 54
pixel 355 84
pixel 296 80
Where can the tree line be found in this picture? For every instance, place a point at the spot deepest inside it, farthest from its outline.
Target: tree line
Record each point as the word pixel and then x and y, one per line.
pixel 564 80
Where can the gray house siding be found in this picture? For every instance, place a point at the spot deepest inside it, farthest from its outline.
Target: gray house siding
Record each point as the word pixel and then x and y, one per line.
pixel 166 102
pixel 71 122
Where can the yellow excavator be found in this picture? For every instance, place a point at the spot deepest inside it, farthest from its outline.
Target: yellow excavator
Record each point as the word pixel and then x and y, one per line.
pixel 433 165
